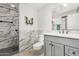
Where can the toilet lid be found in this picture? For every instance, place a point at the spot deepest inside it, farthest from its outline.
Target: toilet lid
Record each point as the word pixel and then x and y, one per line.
pixel 38 44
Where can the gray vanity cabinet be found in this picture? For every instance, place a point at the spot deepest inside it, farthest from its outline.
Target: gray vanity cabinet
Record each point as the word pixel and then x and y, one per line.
pixel 48 48
pixel 70 51
pixel 61 46
pixel 53 49
pixel 59 49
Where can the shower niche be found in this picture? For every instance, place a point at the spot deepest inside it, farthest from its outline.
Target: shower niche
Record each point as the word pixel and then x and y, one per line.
pixel 9 28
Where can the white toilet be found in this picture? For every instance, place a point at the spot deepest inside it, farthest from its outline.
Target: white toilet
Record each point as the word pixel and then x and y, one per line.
pixel 40 43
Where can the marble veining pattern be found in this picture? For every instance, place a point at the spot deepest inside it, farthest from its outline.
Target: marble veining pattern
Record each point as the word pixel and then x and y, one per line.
pixel 9 25
pixel 27 41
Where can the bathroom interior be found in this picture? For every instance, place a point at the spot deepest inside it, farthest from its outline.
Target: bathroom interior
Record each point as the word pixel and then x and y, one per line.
pixel 39 29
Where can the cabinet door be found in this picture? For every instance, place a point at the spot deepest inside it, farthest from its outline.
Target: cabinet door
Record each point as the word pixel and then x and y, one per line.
pixel 48 48
pixel 71 51
pixel 53 50
pixel 58 49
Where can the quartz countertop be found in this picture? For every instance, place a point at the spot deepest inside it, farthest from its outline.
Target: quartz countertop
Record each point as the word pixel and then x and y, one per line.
pixel 71 35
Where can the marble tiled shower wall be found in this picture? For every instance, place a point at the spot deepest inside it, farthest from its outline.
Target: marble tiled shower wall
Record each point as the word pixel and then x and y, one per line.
pixel 9 25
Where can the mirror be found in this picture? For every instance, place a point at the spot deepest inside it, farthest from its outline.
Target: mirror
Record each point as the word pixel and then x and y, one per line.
pixel 68 23
pixel 73 21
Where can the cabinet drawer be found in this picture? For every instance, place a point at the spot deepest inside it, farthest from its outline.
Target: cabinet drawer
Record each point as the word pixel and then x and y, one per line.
pixel 71 51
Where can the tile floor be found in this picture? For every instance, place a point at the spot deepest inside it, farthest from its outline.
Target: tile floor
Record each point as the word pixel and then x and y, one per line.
pixel 31 52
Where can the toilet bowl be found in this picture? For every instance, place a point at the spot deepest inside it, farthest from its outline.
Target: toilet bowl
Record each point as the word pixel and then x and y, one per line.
pixel 39 44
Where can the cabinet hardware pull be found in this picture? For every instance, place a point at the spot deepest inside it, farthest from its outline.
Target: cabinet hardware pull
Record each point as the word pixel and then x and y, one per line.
pixel 73 52
pixel 51 44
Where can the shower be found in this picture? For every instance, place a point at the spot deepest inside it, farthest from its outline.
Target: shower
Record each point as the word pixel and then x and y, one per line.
pixel 9 28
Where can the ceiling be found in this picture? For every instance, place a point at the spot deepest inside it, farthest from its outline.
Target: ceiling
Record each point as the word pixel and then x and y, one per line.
pixel 69 7
pixel 38 6
pixel 58 6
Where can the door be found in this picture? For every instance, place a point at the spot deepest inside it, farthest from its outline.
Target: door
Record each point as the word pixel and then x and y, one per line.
pixel 58 49
pixel 53 49
pixel 71 51
pixel 48 48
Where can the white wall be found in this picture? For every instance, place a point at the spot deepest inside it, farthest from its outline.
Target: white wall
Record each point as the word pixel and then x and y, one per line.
pixel 45 18
pixel 28 11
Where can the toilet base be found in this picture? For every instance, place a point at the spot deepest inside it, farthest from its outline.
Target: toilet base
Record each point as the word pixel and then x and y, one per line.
pixel 37 48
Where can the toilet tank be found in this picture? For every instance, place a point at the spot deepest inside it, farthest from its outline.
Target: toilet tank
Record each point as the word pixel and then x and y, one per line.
pixel 41 38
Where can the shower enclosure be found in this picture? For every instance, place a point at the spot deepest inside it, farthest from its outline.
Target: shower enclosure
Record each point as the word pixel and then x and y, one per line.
pixel 9 28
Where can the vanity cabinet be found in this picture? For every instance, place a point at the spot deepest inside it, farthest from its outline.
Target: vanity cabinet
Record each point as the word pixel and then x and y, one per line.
pixel 61 46
pixel 53 49
pixel 70 51
pixel 59 49
pixel 48 48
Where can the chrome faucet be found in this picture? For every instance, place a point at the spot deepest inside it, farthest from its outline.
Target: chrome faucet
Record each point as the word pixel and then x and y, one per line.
pixel 65 20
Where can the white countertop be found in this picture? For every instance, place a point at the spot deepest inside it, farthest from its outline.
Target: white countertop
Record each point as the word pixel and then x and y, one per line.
pixel 71 35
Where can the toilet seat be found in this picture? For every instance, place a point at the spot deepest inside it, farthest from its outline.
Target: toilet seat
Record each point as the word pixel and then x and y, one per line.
pixel 40 43
pixel 38 46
